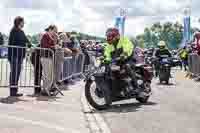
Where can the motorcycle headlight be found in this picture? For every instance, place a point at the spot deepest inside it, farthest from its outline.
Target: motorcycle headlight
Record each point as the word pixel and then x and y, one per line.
pixel 139 82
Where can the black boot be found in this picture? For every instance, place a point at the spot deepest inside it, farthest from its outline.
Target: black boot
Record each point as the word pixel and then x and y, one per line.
pixel 13 92
pixel 37 91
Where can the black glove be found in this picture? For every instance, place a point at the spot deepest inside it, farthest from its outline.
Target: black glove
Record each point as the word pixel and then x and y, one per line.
pixel 120 60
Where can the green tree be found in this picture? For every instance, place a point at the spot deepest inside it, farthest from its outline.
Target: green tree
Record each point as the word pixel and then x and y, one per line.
pixel 147 37
pixel 171 33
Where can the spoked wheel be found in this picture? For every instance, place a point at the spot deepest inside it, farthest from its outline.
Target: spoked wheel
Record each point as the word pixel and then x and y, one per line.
pixel 143 98
pixel 99 98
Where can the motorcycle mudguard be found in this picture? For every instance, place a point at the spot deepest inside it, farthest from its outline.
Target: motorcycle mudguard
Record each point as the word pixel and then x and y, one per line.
pixel 101 80
pixel 164 74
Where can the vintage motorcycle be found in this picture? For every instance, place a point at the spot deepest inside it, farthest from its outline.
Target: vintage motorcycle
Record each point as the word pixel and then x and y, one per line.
pixel 110 83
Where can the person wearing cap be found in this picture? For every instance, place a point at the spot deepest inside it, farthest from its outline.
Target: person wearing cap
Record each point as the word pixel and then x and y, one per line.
pixel 49 42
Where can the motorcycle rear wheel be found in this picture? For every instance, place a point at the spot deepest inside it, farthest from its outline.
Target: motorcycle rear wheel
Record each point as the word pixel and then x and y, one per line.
pixel 105 95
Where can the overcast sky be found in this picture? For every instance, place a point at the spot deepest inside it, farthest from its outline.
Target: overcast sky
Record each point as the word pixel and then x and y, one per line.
pixel 93 16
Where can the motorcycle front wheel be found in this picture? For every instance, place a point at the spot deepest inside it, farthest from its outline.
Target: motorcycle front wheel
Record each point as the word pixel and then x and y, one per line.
pixel 144 99
pixel 98 97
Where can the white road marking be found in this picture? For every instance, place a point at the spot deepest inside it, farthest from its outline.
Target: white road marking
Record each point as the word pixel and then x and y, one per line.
pixel 100 125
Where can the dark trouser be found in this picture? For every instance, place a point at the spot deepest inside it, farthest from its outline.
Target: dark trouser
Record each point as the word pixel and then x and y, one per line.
pixel 157 68
pixel 15 69
pixel 130 71
pixel 35 60
pixel 185 63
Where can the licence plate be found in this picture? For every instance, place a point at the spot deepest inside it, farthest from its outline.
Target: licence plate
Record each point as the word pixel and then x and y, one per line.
pixel 165 60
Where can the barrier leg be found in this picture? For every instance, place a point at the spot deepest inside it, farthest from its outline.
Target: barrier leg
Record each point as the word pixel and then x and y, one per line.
pixel 47 64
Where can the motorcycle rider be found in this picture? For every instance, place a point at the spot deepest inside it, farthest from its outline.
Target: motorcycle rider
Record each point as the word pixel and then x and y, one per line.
pixel 114 44
pixel 163 50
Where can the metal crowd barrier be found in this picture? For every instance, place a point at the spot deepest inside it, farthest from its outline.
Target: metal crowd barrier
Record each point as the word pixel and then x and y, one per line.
pixel 71 67
pixel 17 67
pixel 37 67
pixel 194 64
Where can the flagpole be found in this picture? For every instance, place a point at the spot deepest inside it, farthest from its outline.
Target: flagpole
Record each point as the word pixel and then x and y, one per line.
pixel 187 24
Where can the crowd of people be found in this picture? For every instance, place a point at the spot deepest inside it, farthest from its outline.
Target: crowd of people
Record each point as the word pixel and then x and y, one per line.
pixel 41 60
pixel 51 40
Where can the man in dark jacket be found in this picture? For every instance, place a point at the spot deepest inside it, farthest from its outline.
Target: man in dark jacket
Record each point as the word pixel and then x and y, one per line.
pixel 1 43
pixel 159 53
pixel 16 54
pixel 1 39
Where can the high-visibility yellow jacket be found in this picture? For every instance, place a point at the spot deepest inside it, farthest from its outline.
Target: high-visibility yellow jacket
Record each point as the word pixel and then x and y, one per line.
pixel 183 53
pixel 124 43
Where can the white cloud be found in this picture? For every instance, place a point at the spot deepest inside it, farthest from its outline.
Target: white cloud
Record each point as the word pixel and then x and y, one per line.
pixel 91 16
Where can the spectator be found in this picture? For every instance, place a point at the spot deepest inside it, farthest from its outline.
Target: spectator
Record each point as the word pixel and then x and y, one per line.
pixel 49 41
pixel 184 57
pixel 16 55
pixel 73 44
pixel 77 56
pixel 1 39
pixel 138 55
pixel 64 40
pixel 1 43
pixel 59 60
pixel 87 57
pixel 196 42
pixel 36 61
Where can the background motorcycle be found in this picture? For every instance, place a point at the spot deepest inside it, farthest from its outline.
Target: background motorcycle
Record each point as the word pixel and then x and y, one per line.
pixel 164 69
pixel 107 84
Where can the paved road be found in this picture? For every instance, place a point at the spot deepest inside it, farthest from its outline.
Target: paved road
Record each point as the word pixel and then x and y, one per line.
pixel 172 109
pixel 62 114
